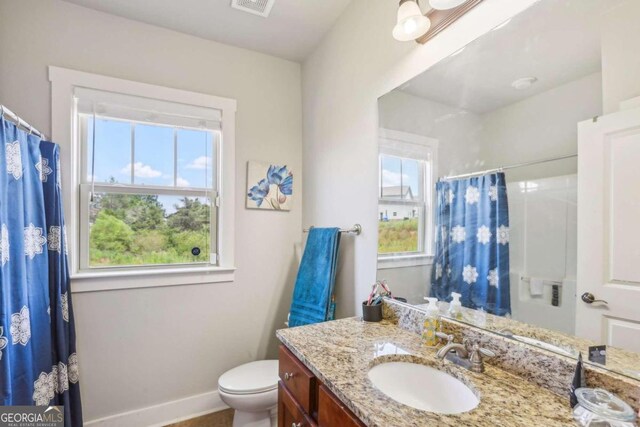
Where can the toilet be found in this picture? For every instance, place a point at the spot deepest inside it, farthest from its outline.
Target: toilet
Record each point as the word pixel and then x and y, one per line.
pixel 252 390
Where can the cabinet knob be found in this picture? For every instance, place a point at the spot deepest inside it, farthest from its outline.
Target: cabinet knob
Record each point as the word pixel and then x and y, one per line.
pixel 288 376
pixel 296 424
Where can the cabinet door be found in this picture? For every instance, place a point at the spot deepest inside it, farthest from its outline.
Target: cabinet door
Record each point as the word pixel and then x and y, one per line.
pixel 290 414
pixel 333 413
pixel 299 380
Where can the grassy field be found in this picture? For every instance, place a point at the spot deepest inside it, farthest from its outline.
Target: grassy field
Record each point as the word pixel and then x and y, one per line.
pixel 398 236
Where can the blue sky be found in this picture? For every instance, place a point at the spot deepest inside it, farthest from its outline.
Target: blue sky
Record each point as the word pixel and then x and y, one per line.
pixel 397 171
pixel 153 154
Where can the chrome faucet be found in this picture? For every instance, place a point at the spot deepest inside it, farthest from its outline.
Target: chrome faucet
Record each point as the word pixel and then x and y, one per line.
pixel 468 355
pixel 460 349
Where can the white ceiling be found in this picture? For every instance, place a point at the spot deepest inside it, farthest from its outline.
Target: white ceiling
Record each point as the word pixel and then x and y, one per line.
pixel 555 41
pixel 291 31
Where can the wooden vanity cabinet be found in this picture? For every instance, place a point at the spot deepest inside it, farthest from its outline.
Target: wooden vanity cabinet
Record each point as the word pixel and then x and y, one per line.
pixel 303 401
pixel 290 413
pixel 332 412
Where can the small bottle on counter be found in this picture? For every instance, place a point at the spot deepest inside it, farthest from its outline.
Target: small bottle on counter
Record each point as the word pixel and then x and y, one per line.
pixel 431 323
pixel 455 306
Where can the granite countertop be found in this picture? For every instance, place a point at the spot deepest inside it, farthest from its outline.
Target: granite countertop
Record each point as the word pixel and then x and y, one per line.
pixel 341 352
pixel 618 360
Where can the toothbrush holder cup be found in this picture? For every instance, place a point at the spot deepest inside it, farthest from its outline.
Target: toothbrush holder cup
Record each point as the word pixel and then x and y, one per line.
pixel 371 313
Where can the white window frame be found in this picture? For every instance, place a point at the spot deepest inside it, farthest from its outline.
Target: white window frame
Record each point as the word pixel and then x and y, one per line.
pixel 63 130
pixel 419 147
pixel 87 187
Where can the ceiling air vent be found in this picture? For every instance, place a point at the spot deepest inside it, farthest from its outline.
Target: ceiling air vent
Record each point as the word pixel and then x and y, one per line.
pixel 255 7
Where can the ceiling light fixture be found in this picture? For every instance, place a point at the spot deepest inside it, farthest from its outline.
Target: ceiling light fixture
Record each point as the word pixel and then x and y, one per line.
pixel 411 23
pixel 523 83
pixel 445 4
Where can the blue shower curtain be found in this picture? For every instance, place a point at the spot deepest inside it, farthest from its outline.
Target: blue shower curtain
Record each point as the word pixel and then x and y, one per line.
pixel 38 361
pixel 472 243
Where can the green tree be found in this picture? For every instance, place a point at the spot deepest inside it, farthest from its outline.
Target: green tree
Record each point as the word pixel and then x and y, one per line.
pixel 109 233
pixel 193 215
pixel 139 211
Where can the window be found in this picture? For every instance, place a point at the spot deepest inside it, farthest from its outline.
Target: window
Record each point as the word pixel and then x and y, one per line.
pixel 143 181
pixel 405 195
pixel 148 193
pixel 402 193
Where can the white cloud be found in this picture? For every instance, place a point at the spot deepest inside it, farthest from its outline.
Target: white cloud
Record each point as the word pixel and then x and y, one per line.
pixel 201 162
pixel 141 170
pixel 182 182
pixel 391 179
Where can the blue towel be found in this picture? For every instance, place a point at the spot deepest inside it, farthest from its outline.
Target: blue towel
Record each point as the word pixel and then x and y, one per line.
pixel 316 277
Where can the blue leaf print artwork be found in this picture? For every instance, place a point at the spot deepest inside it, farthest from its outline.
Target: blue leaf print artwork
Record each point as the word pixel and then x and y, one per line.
pixel 271 186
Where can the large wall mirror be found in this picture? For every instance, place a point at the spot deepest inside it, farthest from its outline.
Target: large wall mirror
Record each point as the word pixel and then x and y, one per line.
pixel 481 186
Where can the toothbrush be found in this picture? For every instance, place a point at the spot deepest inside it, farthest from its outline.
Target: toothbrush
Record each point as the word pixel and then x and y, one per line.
pixel 374 289
pixel 386 288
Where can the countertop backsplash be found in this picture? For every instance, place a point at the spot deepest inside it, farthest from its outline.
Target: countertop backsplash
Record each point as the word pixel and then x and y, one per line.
pixel 541 367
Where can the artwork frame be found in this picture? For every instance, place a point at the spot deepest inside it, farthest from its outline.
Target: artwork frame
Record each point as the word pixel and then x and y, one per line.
pixel 269 186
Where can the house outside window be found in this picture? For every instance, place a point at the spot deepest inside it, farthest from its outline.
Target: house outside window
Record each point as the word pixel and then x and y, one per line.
pixel 406 181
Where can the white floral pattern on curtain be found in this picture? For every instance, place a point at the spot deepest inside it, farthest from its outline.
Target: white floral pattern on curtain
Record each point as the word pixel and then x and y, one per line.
pixel 38 361
pixel 472 243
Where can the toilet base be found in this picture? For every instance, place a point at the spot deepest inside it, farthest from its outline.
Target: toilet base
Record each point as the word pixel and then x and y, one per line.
pixel 255 419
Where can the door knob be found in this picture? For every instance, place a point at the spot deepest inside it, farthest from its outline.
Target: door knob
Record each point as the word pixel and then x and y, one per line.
pixel 589 298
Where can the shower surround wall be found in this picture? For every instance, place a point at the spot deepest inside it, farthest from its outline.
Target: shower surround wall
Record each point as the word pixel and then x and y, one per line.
pixel 543 217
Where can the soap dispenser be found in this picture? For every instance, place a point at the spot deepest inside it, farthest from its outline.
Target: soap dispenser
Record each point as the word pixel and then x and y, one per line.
pixel 455 306
pixel 431 323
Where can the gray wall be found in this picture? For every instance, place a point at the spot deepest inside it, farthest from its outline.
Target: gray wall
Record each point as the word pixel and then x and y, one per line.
pixel 143 347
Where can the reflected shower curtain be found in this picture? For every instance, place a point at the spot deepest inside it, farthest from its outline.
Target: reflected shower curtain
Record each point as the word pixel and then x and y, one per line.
pixel 472 243
pixel 38 362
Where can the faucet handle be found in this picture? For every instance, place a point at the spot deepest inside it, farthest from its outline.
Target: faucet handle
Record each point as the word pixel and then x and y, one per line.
pixel 475 357
pixel 444 336
pixel 486 352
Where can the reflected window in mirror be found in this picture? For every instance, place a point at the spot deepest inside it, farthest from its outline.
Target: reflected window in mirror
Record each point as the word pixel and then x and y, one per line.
pixel 406 176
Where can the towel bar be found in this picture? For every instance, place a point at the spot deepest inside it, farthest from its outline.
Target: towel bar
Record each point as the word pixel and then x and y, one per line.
pixel 356 229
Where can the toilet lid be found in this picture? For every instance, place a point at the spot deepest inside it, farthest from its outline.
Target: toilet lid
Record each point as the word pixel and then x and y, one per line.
pixel 254 377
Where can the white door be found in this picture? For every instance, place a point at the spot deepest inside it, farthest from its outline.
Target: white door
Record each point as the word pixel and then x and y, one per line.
pixel 609 230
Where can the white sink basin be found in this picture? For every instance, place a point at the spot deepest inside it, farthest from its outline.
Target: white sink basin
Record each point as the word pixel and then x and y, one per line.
pixel 422 387
pixel 542 344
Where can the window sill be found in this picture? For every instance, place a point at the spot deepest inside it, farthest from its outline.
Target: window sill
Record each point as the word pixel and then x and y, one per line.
pixel 402 261
pixel 136 279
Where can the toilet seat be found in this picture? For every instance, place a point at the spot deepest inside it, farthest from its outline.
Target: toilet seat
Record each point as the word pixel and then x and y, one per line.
pixel 251 378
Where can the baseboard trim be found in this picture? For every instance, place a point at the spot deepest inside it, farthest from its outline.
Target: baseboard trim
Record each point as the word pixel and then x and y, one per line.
pixel 164 413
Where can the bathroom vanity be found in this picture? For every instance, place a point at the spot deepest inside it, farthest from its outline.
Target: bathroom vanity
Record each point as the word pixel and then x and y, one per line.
pixel 325 371
pixel 304 401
